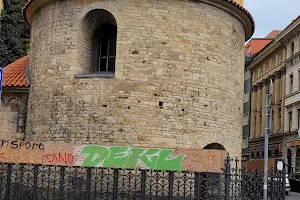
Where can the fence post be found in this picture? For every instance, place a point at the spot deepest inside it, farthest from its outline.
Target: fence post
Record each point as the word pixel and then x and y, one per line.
pixel 35 177
pixel 198 185
pixel 243 181
pixel 88 183
pixel 8 181
pixel 272 174
pixel 116 180
pixel 283 182
pixel 227 178
pixel 143 185
pixel 171 178
pixel 62 180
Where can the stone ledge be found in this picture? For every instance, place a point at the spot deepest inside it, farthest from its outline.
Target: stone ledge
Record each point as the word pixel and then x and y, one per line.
pixel 96 75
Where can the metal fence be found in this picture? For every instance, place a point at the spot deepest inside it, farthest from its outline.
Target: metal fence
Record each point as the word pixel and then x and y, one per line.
pixel 44 182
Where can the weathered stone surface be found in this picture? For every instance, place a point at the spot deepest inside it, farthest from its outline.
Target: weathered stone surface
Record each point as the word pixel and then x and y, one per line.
pixel 187 55
pixel 12 115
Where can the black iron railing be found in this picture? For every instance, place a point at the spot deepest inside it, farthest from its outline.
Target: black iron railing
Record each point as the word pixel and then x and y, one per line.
pixel 44 182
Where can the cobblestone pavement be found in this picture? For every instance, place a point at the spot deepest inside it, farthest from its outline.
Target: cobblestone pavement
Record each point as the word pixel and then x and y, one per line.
pixel 293 196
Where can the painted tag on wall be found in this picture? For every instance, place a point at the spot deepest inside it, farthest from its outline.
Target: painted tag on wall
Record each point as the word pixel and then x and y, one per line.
pixel 90 155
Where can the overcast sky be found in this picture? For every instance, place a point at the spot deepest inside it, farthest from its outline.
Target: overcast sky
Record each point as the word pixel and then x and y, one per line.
pixel 272 14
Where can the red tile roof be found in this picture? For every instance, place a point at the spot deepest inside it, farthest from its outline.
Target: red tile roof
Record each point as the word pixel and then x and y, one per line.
pixel 14 73
pixel 255 45
pixel 273 34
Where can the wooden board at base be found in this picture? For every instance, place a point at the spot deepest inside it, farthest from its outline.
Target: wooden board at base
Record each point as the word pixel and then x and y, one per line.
pixel 94 155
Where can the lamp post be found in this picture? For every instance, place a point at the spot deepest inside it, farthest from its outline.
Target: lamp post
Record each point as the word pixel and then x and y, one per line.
pixel 267 131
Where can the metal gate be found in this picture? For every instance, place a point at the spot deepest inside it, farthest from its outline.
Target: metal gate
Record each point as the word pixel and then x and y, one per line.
pixel 44 182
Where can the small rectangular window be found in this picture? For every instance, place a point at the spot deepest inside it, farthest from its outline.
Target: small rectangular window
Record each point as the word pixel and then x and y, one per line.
pixel 104 49
pixel 291 83
pixel 280 58
pixel 290 121
pixel 246 119
pixel 273 63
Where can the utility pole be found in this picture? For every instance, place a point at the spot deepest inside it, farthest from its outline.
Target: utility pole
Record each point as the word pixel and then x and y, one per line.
pixel 267 131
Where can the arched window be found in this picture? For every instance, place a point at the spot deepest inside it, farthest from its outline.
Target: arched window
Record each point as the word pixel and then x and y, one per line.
pixel 104 48
pixel 98 40
pixel 214 146
pixel 292 48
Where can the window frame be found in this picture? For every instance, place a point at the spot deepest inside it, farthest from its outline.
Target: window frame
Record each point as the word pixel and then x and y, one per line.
pixel 291 77
pixel 99 36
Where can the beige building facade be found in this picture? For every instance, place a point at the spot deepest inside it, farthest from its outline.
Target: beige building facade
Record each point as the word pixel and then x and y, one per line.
pixel 292 99
pixel 1 5
pixel 168 86
pixel 267 65
pixel 278 61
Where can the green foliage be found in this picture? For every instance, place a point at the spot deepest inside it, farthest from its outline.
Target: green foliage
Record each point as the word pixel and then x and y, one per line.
pixel 13 32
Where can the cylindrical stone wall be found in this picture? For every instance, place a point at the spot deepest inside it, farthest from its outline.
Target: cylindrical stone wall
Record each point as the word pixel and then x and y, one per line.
pixel 178 79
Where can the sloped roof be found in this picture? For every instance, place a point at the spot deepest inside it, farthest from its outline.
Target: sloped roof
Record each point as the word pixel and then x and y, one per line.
pixel 14 73
pixel 273 34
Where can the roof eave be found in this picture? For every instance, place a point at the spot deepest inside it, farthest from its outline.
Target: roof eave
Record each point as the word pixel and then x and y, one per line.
pixel 230 6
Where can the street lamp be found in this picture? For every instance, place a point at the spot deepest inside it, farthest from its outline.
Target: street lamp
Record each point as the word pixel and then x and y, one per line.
pixel 267 131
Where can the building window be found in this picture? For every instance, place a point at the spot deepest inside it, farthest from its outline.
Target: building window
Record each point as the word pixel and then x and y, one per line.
pixel 297 164
pixel 291 83
pixel 280 58
pixel 290 121
pixel 292 48
pixel 267 67
pixel 249 50
pixel 104 48
pixel 255 75
pixel 246 119
pixel 273 63
pixel 246 96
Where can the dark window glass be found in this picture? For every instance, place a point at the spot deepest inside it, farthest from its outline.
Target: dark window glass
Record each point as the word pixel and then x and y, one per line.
pixel 104 48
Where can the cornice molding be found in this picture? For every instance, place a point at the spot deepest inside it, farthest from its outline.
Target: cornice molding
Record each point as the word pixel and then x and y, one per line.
pixel 276 43
pixel 267 52
pixel 229 6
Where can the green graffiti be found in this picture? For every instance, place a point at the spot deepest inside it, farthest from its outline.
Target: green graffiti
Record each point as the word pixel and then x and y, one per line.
pixel 130 158
pixel 118 157
pixel 95 155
